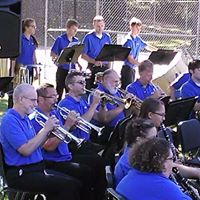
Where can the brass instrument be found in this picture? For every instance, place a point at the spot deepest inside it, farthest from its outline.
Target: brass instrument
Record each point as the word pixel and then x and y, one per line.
pixel 82 123
pixel 59 132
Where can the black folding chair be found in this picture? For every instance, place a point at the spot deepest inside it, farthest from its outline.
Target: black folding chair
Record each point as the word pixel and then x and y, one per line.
pixel 189 132
pixel 111 194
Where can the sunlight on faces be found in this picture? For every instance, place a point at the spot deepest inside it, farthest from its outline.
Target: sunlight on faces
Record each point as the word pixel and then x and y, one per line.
pixel 99 26
pixel 146 75
pixel 78 85
pixel 71 31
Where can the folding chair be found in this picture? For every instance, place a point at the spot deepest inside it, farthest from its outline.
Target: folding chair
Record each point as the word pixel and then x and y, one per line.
pixel 189 132
pixel 111 194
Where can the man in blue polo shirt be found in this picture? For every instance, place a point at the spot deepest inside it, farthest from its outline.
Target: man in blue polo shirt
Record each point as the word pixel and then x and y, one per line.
pixel 136 44
pixel 25 169
pixel 67 39
pixel 142 87
pixel 93 43
pixel 192 87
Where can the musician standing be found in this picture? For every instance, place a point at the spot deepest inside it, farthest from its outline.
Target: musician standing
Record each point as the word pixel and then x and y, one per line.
pixel 67 39
pixel 192 87
pixel 25 168
pixel 93 43
pixel 136 44
pixel 143 87
pixel 152 162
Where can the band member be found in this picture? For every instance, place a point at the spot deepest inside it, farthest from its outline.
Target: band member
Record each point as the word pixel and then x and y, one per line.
pixel 114 110
pixel 67 39
pixel 93 43
pixel 135 43
pixel 143 87
pixel 176 85
pixel 192 87
pixel 25 168
pixel 28 46
pixel 136 129
pixel 152 162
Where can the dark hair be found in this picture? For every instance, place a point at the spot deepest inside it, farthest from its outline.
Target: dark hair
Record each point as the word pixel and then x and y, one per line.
pixel 42 90
pixel 71 22
pixel 137 128
pixel 144 65
pixel 26 23
pixel 70 77
pixel 194 65
pixel 149 155
pixel 149 105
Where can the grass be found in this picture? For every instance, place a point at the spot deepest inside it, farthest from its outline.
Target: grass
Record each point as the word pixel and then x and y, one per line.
pixel 3 105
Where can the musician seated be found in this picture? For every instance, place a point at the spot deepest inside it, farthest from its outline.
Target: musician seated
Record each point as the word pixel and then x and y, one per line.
pixel 136 130
pixel 113 108
pixel 143 87
pixel 151 162
pixel 25 169
pixel 192 87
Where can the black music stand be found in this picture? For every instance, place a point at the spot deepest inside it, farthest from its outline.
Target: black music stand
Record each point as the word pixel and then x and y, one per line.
pixel 179 110
pixel 5 85
pixel 113 52
pixel 162 57
pixel 70 54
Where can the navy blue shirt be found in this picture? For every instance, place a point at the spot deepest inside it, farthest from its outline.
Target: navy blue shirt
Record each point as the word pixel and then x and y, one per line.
pixel 122 167
pixel 62 42
pixel 136 44
pixel 28 48
pixel 14 132
pixel 61 153
pixel 80 107
pixel 110 106
pixel 93 44
pixel 139 185
pixel 140 91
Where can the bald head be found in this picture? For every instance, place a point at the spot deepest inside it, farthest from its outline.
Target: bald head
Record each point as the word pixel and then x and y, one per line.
pixel 22 90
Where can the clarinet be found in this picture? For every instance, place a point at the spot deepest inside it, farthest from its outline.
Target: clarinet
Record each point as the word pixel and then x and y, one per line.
pixel 178 178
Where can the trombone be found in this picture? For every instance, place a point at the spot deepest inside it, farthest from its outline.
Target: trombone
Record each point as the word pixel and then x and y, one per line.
pixel 59 132
pixel 82 123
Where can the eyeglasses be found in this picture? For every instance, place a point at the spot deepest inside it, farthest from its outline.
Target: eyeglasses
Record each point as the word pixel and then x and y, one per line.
pixel 31 99
pixel 81 82
pixel 160 114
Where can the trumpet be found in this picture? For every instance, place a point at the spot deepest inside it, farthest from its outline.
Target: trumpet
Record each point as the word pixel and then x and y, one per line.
pixel 82 123
pixel 59 132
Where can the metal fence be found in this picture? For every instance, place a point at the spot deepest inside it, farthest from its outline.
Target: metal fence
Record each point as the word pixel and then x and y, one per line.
pixel 166 23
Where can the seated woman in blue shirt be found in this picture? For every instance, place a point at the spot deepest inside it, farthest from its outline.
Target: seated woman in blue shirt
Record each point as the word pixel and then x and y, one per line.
pixel 135 130
pixel 152 162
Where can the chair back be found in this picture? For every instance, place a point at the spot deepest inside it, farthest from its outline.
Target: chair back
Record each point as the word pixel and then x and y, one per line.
pixel 189 132
pixel 111 194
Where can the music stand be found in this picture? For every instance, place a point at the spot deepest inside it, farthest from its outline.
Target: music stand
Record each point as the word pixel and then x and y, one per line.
pixel 162 57
pixel 179 110
pixel 113 52
pixel 70 54
pixel 5 86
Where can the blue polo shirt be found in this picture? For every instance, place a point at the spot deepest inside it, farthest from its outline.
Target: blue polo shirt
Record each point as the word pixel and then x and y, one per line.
pixel 27 51
pixel 136 44
pixel 139 185
pixel 14 132
pixel 122 167
pixel 62 42
pixel 61 153
pixel 93 44
pixel 80 107
pixel 178 82
pixel 110 106
pixel 140 91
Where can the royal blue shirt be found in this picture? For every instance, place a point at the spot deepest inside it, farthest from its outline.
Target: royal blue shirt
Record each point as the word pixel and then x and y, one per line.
pixel 149 186
pixel 62 42
pixel 136 44
pixel 80 107
pixel 178 82
pixel 14 132
pixel 61 153
pixel 122 167
pixel 27 51
pixel 93 44
pixel 110 106
pixel 140 91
